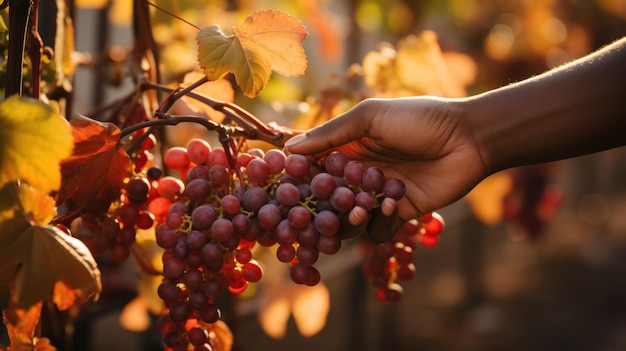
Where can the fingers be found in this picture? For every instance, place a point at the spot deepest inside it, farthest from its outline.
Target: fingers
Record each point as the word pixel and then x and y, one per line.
pixel 383 224
pixel 341 130
pixel 353 224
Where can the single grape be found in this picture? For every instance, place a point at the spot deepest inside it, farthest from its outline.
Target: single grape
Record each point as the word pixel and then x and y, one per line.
pixel 127 235
pixel 230 204
pixel 307 255
pixel 269 216
pixel 213 256
pixel 222 229
pixel 176 158
pixel 286 234
pixel 297 165
pixel 342 199
pixel 394 188
pixel 365 200
pixel 198 151
pixel 241 223
pixel 373 179
pixel 327 223
pixel 275 159
pixel 154 173
pixel 198 335
pixel 203 216
pixel 210 313
pixel 128 214
pixel 287 194
pixel 218 157
pixel 137 190
pixel 254 198
pixel 145 220
pixel 335 163
pixel 353 172
pixel 173 268
pixel 322 185
pixel 252 271
pixel 200 171
pixel 328 245
pixel 308 236
pixel 258 171
pixel 170 187
pixel 285 253
pixel 299 217
pixel 219 175
pixel 195 240
pixel 166 237
pixel 198 190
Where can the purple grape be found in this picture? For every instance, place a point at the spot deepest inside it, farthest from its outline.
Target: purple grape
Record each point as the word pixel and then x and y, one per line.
pixel 269 216
pixel 299 217
pixel 198 190
pixel 373 179
pixel 342 199
pixel 254 198
pixel 297 165
pixel 222 229
pixel 394 188
pixel 327 223
pixel 287 194
pixel 258 171
pixel 335 163
pixel 322 185
pixel 353 172
pixel 275 159
pixel 203 217
pixel 286 234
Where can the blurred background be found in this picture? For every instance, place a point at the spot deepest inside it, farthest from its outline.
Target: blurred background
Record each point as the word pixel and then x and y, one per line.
pixel 533 258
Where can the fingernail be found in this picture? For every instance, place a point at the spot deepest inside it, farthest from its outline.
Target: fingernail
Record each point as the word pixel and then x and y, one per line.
pixel 388 206
pixel 295 140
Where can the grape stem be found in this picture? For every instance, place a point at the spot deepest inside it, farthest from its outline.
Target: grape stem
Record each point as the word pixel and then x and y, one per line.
pixel 255 128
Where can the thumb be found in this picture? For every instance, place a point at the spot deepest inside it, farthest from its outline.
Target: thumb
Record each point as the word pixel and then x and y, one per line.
pixel 347 127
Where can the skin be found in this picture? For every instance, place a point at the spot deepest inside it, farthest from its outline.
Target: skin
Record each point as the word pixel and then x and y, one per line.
pixel 442 147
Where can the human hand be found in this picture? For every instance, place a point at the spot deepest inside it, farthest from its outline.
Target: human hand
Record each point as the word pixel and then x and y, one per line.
pixel 423 141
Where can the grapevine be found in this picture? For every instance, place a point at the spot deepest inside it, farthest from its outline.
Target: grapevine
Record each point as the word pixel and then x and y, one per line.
pixel 209 208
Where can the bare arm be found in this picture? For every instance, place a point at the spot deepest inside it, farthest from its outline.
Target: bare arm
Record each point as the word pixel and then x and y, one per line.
pixel 441 148
pixel 576 109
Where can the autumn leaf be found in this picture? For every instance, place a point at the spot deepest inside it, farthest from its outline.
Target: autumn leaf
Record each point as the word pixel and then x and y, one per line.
pixel 95 172
pixel 21 324
pixel 267 40
pixel 33 139
pixel 44 263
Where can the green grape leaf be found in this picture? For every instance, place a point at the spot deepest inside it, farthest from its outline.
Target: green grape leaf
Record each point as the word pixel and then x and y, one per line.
pixel 94 174
pixel 33 139
pixel 46 263
pixel 267 40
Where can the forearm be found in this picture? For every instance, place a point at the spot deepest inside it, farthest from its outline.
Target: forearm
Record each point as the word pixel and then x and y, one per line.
pixel 577 109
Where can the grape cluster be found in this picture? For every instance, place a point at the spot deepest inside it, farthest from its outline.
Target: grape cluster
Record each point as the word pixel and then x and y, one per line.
pixel 209 223
pixel 392 261
pixel 115 230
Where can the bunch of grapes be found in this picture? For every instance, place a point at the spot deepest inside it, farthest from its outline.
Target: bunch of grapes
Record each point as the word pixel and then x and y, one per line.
pixel 392 261
pixel 222 205
pixel 115 230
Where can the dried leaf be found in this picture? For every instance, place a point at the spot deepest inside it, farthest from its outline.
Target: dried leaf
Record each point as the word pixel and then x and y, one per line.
pixel 94 174
pixel 47 263
pixel 21 325
pixel 267 40
pixel 33 139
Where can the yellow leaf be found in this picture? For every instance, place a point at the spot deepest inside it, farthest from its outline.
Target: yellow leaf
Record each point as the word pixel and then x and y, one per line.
pixel 38 206
pixel 45 262
pixel 33 140
pixel 21 325
pixel 267 40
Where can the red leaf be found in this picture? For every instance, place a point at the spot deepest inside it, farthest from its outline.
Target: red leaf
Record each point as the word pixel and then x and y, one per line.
pixel 94 174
